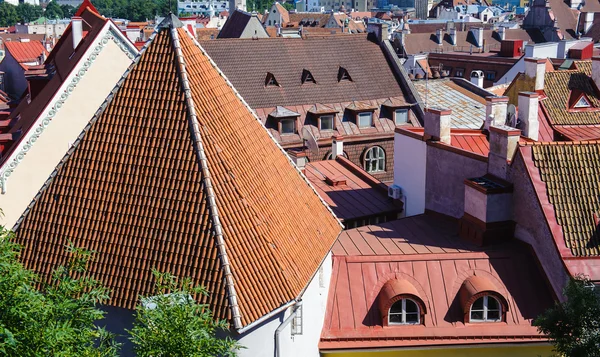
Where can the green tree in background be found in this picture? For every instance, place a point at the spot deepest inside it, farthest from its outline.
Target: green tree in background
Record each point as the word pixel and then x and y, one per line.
pixel 54 11
pixel 27 12
pixel 57 321
pixel 173 324
pixel 68 11
pixel 574 326
pixel 8 14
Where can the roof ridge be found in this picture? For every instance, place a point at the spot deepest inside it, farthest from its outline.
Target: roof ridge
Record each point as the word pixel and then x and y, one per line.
pixel 194 127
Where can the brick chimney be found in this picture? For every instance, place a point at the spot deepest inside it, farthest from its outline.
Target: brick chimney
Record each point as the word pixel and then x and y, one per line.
pixel 438 123
pixel 503 145
pixel 536 68
pixel 453 36
pixel 439 33
pixel 76 30
pixel 495 111
pixel 337 146
pixel 528 114
pixel 299 158
pixel 596 71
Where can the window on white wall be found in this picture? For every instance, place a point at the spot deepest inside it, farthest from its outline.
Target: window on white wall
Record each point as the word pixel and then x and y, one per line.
pixel 297 322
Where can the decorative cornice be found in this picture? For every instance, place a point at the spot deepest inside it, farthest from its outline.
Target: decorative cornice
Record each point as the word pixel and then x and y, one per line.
pixel 44 120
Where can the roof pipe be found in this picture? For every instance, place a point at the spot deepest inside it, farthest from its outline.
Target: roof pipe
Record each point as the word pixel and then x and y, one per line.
pixel 284 325
pixel 263 318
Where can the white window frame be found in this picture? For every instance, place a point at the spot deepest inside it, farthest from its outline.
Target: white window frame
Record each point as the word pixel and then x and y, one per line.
pixel 403 313
pixel 485 310
pixel 297 322
pixel 379 161
pixel 321 122
pixel 363 114
pixel 400 110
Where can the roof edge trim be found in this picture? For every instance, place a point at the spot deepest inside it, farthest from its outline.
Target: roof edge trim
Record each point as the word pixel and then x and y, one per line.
pixel 194 127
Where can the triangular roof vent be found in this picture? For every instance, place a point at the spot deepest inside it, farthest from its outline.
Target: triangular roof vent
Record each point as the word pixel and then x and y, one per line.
pixel 270 80
pixel 343 75
pixel 307 77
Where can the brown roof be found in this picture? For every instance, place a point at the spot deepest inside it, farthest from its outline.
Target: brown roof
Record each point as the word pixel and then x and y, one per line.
pixel 423 257
pixel 349 190
pixel 184 181
pixel 307 19
pixel 206 33
pixel 246 64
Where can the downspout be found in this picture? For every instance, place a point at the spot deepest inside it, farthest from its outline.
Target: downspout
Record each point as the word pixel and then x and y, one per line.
pixel 283 325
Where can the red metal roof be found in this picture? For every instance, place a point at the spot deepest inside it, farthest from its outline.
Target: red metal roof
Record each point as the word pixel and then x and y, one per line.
pixel 361 195
pixel 425 251
pixel 24 52
pixel 470 140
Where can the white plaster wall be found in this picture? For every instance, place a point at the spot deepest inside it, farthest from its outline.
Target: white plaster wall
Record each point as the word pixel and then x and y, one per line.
pixel 260 342
pixel 40 161
pixel 410 159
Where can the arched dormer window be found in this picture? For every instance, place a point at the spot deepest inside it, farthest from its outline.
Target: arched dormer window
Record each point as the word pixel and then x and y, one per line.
pixel 481 301
pixel 400 304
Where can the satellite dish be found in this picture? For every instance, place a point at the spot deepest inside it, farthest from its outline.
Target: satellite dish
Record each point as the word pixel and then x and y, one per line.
pixel 310 141
pixel 511 115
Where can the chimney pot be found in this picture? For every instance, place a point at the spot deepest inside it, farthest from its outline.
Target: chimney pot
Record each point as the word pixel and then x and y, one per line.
pixel 536 68
pixel 528 114
pixel 503 144
pixel 299 158
pixel 76 30
pixel 438 123
pixel 337 146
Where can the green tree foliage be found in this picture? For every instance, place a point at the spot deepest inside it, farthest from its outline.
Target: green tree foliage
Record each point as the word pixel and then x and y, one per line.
pixel 68 11
pixel 574 326
pixel 8 14
pixel 59 319
pixel 28 12
pixel 173 324
pixel 54 11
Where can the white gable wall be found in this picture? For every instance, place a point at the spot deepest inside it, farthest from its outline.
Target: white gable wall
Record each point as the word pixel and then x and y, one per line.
pixel 31 168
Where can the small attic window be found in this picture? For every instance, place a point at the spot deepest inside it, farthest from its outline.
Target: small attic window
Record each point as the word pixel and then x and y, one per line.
pixel 270 80
pixel 343 75
pixel 583 102
pixel 307 77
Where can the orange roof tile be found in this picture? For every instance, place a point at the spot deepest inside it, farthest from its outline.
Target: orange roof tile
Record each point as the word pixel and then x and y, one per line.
pixel 182 178
pixel 24 52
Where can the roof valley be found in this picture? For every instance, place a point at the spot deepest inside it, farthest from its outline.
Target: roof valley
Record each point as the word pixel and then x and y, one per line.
pixel 194 128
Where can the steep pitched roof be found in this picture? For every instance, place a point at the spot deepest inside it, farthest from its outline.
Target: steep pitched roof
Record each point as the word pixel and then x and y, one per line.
pixel 23 52
pixel 182 178
pixel 235 24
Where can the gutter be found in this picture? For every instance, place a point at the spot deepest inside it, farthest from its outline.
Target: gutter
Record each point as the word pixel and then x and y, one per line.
pixel 283 325
pixel 263 318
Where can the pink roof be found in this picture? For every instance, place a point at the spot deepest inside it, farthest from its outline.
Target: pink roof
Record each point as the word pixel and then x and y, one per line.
pixel 425 252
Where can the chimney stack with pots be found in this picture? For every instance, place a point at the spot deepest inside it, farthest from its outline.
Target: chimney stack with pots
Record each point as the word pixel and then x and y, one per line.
pixel 438 123
pixel 528 114
pixel 76 30
pixel 536 68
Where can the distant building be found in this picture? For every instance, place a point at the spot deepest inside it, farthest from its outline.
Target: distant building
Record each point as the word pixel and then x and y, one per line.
pixel 202 7
pixel 19 57
pixel 242 24
pixel 44 26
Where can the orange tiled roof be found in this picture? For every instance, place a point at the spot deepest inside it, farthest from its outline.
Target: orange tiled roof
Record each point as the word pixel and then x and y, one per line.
pixel 23 52
pixel 187 182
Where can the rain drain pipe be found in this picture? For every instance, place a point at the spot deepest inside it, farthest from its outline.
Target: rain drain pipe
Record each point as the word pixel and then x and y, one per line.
pixel 283 325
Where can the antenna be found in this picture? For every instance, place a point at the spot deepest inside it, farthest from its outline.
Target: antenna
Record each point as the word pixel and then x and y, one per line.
pixel 310 141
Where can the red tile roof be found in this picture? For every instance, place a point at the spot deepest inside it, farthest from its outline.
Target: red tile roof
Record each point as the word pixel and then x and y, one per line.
pixel 361 196
pixel 426 252
pixel 24 52
pixel 184 181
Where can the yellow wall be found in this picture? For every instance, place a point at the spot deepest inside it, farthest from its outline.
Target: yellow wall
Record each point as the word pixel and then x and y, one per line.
pixel 53 143
pixel 516 351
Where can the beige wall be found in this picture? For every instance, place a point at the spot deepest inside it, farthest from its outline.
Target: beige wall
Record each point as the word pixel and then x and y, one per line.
pixel 40 161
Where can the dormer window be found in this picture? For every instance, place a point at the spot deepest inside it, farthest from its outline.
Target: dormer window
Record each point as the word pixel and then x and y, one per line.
pixel 287 126
pixel 307 77
pixel 401 116
pixel 343 75
pixel 404 312
pixel 364 119
pixel 583 102
pixel 486 309
pixel 326 122
pixel 270 80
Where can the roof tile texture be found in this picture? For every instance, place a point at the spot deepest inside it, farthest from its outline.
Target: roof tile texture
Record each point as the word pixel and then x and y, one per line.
pixel 23 52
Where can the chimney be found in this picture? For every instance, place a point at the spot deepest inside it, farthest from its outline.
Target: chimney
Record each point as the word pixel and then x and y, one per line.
pixel 478 33
pixel 528 114
pixel 337 146
pixel 385 32
pixel 439 33
pixel 299 158
pixel 502 33
pixel 438 123
pixel 596 70
pixel 588 21
pixel 536 68
pixel 76 30
pixel 496 109
pixel 575 4
pixel 477 78
pixel 503 144
pixel 453 36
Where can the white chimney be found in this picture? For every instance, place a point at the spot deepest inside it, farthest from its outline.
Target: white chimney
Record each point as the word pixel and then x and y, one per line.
pixel 588 21
pixel 337 146
pixel 575 4
pixel 528 114
pixel 76 30
pixel 438 123
pixel 478 33
pixel 536 68
pixel 503 145
pixel 439 33
pixel 496 109
pixel 502 33
pixel 477 78
pixel 453 36
pixel 299 158
pixel 596 70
